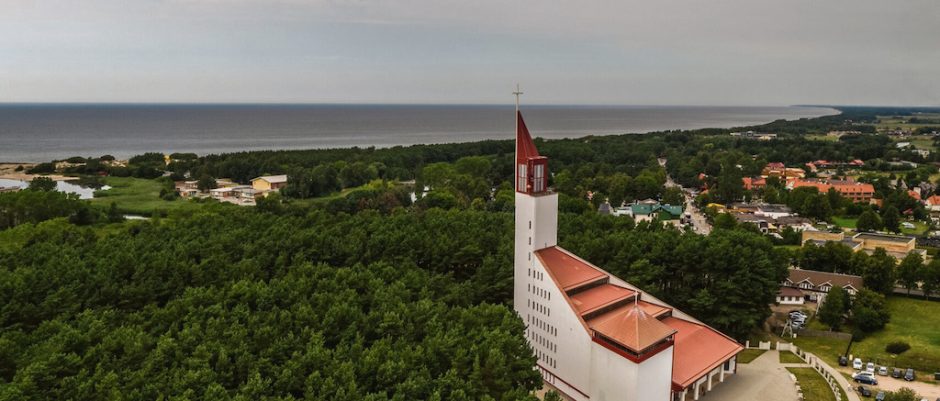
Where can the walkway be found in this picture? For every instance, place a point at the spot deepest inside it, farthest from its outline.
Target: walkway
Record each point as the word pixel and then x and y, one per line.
pixel 763 379
pixel 846 386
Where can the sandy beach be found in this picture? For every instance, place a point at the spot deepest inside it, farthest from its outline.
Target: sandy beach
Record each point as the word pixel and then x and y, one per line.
pixel 8 171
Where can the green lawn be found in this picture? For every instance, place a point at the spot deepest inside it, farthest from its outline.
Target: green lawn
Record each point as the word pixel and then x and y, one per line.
pixel 913 321
pixel 814 387
pixel 749 355
pixel 139 196
pixel 789 357
pixel 919 228
pixel 845 222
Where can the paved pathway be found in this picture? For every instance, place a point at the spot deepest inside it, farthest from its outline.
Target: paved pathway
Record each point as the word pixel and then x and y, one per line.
pixel 763 379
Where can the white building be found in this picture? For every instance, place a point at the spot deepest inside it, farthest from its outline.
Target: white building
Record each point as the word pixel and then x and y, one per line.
pixel 597 337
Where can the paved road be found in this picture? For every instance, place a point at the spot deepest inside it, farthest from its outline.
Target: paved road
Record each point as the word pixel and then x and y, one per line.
pixel 763 379
pixel 699 223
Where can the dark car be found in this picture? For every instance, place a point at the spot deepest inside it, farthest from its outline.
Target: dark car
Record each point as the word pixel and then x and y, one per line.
pixel 909 375
pixel 866 379
pixel 843 361
pixel 864 391
pixel 897 373
pixel 880 396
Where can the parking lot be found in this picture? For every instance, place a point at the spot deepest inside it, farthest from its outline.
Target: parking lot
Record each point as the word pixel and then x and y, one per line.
pixel 889 383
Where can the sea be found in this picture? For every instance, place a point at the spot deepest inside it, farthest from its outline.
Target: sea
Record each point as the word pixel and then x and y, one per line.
pixel 44 132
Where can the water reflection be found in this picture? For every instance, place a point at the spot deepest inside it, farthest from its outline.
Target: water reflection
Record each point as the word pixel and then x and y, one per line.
pixel 84 192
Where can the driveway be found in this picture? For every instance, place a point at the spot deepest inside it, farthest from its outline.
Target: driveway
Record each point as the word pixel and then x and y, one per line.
pixel 763 379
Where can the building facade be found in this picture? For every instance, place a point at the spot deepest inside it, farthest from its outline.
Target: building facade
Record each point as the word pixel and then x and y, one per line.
pixel 597 337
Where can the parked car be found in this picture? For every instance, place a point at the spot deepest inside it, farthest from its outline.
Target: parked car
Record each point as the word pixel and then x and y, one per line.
pixel 870 367
pixel 897 373
pixel 857 364
pixel 844 361
pixel 866 379
pixel 909 375
pixel 864 391
pixel 883 370
pixel 880 396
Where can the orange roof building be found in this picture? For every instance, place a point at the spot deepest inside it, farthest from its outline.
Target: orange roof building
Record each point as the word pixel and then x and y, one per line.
pixel 595 336
pixel 856 191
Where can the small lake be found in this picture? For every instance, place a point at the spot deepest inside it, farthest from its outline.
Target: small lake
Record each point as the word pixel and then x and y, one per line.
pixel 62 186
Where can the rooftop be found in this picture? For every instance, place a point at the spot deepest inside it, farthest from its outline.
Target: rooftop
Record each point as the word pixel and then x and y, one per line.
pixel 631 327
pixel 274 179
pixel 698 349
pixel 568 271
pixel 819 278
pixel 599 297
pixel 883 237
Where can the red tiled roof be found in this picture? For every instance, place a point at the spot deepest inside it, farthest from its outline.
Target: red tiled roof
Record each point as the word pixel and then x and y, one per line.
pixel 631 327
pixel 697 350
pixel 933 200
pixel 653 309
pixel 599 297
pixel 568 271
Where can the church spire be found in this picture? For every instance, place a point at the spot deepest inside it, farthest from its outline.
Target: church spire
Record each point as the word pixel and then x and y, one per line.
pixel 531 168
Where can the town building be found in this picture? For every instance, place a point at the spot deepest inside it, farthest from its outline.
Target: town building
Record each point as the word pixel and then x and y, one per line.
pixel 897 246
pixel 597 337
pixel 269 183
pixel 801 286
pixel 779 170
pixel 857 192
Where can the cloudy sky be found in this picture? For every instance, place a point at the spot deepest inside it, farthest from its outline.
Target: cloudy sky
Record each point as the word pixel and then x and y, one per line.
pixel 664 52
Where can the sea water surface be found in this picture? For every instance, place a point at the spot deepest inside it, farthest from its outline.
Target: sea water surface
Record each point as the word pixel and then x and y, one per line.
pixel 43 132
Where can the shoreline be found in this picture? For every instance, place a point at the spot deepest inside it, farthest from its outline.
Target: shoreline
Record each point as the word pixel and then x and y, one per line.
pixel 329 130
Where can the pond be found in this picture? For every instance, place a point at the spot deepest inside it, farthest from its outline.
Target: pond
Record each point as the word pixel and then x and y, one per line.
pixel 84 192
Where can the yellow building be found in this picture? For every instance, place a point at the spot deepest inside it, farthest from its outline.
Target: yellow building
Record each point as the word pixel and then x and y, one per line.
pixel 269 183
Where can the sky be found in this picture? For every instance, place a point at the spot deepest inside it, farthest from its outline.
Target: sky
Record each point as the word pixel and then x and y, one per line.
pixel 650 52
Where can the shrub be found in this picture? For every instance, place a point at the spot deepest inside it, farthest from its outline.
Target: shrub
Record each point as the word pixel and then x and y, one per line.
pixel 897 347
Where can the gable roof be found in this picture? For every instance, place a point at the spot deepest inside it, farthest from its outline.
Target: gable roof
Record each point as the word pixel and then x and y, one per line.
pixel 274 179
pixel 818 278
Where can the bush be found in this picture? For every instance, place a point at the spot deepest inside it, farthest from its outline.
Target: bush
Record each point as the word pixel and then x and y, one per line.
pixel 897 347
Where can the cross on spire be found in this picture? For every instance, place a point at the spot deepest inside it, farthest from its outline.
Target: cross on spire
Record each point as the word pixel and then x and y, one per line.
pixel 517 93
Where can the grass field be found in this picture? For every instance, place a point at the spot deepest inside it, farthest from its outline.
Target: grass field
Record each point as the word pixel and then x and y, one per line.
pixel 919 228
pixel 139 196
pixel 749 355
pixel 913 321
pixel 814 387
pixel 789 357
pixel 845 222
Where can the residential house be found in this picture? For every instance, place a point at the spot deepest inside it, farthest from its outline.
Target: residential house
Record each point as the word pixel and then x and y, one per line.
pixel 269 183
pixel 815 285
pixel 790 296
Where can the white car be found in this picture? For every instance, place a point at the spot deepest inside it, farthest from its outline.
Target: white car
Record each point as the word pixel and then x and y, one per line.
pixel 857 364
pixel 870 368
pixel 883 370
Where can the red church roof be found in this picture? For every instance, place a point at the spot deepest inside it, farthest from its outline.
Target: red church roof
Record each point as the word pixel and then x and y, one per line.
pixel 525 148
pixel 698 350
pixel 568 271
pixel 599 297
pixel 631 327
pixel 637 325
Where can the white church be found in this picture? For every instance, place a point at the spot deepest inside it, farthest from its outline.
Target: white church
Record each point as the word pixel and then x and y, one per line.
pixel 598 338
